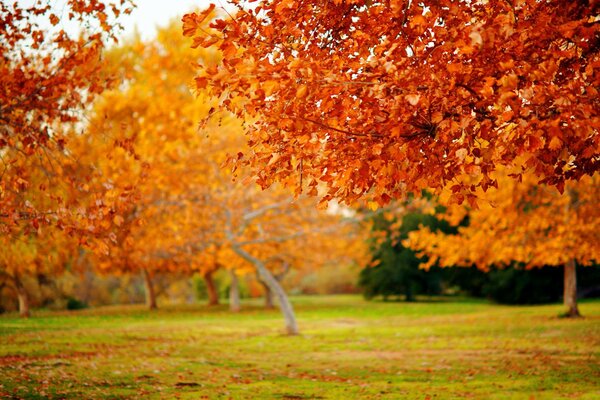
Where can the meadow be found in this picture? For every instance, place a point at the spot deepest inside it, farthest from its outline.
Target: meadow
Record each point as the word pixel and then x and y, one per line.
pixel 348 349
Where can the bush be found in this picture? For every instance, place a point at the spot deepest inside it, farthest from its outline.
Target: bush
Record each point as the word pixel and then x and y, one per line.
pixel 74 304
pixel 397 272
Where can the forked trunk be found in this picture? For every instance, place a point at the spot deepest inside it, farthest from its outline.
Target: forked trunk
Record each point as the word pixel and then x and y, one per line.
pixel 23 298
pixel 285 306
pixel 269 301
pixel 149 290
pixel 234 292
pixel 211 289
pixel 570 290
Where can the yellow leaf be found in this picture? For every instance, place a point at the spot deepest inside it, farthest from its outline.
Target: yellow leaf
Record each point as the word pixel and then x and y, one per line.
pixel 413 99
pixel 269 87
pixel 118 220
pixel 301 92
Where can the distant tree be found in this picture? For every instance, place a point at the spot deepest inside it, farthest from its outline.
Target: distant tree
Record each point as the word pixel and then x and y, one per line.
pixel 33 257
pixel 189 214
pixel 523 223
pixel 395 268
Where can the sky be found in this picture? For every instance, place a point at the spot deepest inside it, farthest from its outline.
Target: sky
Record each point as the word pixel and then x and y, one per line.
pixel 152 13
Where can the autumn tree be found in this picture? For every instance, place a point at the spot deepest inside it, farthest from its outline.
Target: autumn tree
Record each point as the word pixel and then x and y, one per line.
pixel 49 72
pixel 252 227
pixel 27 256
pixel 526 223
pixel 272 221
pixel 64 205
pixel 143 133
pixel 382 98
pixel 260 229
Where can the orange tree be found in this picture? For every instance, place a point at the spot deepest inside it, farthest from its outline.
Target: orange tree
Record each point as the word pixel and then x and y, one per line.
pixel 144 133
pixel 63 204
pixel 188 213
pixel 260 228
pixel 49 72
pixel 389 97
pixel 268 229
pixel 526 223
pixel 25 256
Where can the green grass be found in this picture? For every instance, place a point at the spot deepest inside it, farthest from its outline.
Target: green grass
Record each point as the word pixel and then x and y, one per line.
pixel 349 349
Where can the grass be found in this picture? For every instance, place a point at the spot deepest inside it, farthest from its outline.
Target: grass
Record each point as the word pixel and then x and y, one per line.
pixel 349 349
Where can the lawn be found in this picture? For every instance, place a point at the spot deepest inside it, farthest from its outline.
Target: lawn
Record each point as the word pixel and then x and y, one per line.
pixel 348 349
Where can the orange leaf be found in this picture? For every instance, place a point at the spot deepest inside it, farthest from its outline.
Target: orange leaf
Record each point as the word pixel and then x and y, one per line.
pixel 118 220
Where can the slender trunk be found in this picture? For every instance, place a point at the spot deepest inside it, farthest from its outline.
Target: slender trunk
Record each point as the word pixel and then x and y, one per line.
pixel 234 292
pixel 570 290
pixel 211 289
pixel 149 290
pixel 23 298
pixel 284 303
pixel 269 303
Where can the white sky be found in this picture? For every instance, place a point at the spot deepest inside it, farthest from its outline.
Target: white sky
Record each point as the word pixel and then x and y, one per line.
pixel 152 13
pixel 146 16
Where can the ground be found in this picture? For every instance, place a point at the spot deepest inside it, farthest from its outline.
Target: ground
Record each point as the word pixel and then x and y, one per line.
pixel 348 349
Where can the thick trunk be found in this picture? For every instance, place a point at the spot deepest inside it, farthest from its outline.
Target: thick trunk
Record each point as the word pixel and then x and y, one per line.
pixel 149 290
pixel 23 298
pixel 234 292
pixel 284 303
pixel 211 289
pixel 570 290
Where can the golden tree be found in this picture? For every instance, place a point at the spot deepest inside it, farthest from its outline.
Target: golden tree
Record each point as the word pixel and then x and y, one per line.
pixel 48 75
pixel 527 223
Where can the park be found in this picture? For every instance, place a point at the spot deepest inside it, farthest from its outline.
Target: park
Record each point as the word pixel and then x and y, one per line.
pixel 287 199
pixel 349 349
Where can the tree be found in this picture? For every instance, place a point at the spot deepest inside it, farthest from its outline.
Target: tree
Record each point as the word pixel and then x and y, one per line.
pixel 394 268
pixel 48 75
pixel 147 124
pixel 27 256
pixel 188 215
pixel 382 98
pixel 526 223
pixel 256 225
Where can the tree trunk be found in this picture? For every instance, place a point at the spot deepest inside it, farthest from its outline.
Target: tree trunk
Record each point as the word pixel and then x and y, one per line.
pixel 23 298
pixel 211 289
pixel 285 306
pixel 234 292
pixel 570 290
pixel 269 303
pixel 149 290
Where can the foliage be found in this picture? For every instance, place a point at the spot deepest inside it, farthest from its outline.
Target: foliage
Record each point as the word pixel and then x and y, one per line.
pixel 395 268
pixel 520 222
pixel 75 304
pixel 351 349
pixel 49 72
pixel 384 98
pixel 525 223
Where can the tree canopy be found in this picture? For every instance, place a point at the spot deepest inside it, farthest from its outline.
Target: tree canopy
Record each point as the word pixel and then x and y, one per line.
pixel 389 97
pixel 50 70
